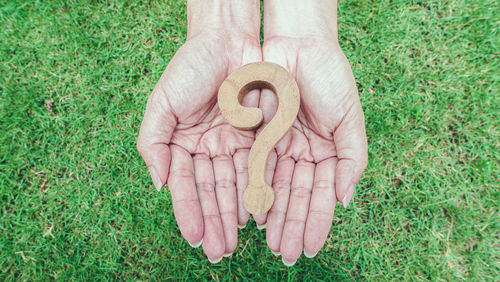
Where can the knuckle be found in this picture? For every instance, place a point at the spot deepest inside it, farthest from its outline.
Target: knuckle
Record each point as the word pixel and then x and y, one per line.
pixel 296 219
pixel 304 164
pixel 215 216
pixel 223 158
pixel 241 169
pixel 225 184
pixel 321 213
pixel 229 213
pixel 181 173
pixel 301 192
pixel 205 187
pixel 201 157
pixel 281 186
pixel 323 185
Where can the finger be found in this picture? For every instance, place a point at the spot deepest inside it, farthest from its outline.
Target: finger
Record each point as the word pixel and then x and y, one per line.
pixel 352 152
pixel 321 208
pixel 213 238
pixel 260 220
pixel 292 242
pixel 225 191
pixel 155 133
pixel 276 216
pixel 240 160
pixel 181 183
pixel 240 157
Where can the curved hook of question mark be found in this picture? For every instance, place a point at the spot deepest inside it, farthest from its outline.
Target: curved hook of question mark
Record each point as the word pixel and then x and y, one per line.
pixel 259 196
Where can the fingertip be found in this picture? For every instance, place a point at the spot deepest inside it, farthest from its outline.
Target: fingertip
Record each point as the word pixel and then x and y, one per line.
pixel 243 218
pixel 276 254
pixel 214 252
pixel 344 178
pixel 273 236
pixel 317 229
pixel 196 244
pixel 158 160
pixel 231 245
pixel 230 226
pixel 214 261
pixel 348 196
pixel 291 246
pixel 191 227
pixel 260 219
pixel 214 244
pixel 158 183
pixel 288 263
pixel 309 255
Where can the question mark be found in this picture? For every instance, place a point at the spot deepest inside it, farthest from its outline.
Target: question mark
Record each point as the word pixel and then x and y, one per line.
pixel 259 196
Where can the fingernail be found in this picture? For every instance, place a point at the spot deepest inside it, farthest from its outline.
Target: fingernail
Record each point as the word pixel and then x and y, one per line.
pixel 276 253
pixel 227 255
pixel 348 196
pixel 308 255
pixel 196 245
pixel 156 179
pixel 215 260
pixel 260 227
pixel 242 226
pixel 287 263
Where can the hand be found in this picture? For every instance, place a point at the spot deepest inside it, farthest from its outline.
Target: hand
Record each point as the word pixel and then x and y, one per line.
pixel 185 141
pixel 324 155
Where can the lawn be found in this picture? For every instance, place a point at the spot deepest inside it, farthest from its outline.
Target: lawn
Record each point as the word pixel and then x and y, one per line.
pixel 77 202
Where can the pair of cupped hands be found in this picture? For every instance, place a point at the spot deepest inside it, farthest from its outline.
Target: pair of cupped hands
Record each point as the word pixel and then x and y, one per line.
pixel 187 144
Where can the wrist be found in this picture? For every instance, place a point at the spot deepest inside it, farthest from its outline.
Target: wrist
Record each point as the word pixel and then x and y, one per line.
pixel 315 19
pixel 230 19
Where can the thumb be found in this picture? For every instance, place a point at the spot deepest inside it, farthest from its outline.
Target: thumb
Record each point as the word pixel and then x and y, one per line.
pixel 156 130
pixel 352 153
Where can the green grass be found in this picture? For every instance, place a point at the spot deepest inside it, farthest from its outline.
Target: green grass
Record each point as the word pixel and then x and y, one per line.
pixel 76 201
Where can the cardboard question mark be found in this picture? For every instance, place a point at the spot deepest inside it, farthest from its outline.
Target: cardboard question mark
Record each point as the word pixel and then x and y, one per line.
pixel 259 196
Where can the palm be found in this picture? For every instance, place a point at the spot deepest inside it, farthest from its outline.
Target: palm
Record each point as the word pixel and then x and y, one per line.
pixel 314 157
pixel 327 90
pixel 190 85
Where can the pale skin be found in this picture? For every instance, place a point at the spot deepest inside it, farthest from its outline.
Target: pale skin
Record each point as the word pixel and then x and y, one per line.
pixel 187 144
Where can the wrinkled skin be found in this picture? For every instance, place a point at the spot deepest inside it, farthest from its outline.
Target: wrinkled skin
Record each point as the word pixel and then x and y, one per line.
pixel 184 139
pixel 187 144
pixel 323 156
